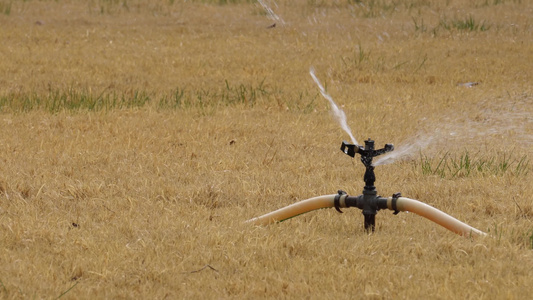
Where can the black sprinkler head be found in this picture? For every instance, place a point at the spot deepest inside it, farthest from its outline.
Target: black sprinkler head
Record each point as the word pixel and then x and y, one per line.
pixel 368 151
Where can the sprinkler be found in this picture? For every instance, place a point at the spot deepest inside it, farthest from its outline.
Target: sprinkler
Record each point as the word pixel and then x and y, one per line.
pixel 369 202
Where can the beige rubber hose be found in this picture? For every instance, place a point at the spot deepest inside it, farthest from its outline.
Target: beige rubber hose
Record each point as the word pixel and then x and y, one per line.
pixel 402 204
pixel 295 209
pixel 435 215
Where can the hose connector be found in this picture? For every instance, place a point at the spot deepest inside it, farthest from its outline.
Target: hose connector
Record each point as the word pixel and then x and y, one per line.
pixel 337 200
pixel 394 202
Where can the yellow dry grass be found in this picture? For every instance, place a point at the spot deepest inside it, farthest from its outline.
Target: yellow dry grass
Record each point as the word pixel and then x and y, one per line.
pixel 149 202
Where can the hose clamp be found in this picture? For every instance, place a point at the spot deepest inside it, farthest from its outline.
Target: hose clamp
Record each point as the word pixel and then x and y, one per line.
pixel 394 202
pixel 337 200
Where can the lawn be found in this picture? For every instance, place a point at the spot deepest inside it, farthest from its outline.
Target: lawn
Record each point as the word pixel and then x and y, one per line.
pixel 137 137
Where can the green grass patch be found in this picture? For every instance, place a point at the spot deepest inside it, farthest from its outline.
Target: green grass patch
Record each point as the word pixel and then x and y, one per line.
pixel 466 24
pixel 228 94
pixel 466 164
pixel 224 2
pixel 3 288
pixel 357 59
pixel 531 239
pixel 71 99
pixel 5 8
pixel 372 8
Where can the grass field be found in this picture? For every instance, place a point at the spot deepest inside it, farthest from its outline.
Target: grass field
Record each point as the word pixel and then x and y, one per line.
pixel 137 136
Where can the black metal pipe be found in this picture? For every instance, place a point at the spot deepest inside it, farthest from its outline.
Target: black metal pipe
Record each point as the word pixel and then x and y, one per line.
pixel 353 201
pixel 369 202
pixel 370 222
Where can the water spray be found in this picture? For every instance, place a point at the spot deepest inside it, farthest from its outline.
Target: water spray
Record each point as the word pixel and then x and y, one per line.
pixel 338 113
pixel 271 14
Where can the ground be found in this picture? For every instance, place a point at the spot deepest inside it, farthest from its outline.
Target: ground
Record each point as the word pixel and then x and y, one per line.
pixel 138 136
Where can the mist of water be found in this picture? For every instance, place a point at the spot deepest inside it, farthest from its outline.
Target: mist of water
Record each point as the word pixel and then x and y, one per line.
pixel 271 14
pixel 510 123
pixel 338 113
pixel 407 150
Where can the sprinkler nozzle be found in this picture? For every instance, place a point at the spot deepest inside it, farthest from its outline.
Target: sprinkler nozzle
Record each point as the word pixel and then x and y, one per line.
pixel 349 149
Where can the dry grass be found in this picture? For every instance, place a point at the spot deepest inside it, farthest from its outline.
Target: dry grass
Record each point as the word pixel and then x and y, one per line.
pixel 145 197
